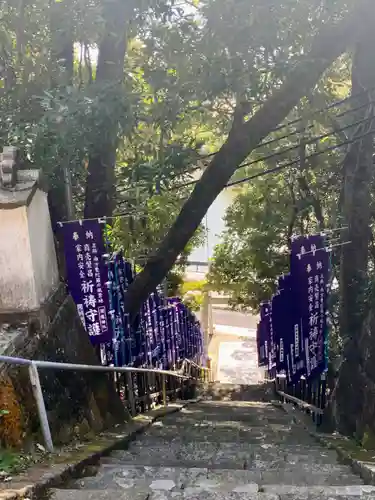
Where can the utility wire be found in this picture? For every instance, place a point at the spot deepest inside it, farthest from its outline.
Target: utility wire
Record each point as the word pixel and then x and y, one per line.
pixel 293 162
pixel 297 120
pixel 340 115
pixel 293 148
pixel 290 163
pixel 285 136
pixel 313 113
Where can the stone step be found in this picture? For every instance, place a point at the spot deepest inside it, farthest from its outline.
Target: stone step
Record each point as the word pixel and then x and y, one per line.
pixel 290 453
pixel 162 490
pixel 231 450
pixel 241 410
pixel 231 417
pixel 236 392
pixel 155 495
pixel 259 444
pixel 154 452
pixel 183 426
pixel 225 480
pixel 203 431
pixel 255 407
pixel 342 492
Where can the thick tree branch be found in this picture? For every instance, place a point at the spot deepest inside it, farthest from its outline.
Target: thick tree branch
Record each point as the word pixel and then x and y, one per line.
pixel 328 45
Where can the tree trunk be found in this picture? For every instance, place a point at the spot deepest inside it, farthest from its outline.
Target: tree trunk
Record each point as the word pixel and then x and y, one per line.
pixel 242 139
pixel 100 185
pixel 62 43
pixel 358 168
pixel 62 51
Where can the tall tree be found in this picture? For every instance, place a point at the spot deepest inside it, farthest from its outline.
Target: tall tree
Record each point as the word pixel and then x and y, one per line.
pixel 100 186
pixel 244 136
pixel 357 208
pixel 62 51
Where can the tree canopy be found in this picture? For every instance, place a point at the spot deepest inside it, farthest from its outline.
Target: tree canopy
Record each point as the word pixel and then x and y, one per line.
pixel 124 103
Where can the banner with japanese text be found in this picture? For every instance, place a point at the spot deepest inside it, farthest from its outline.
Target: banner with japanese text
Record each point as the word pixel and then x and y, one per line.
pixel 311 273
pixel 87 276
pixel 262 344
pixel 296 357
pixel 266 332
pixel 161 335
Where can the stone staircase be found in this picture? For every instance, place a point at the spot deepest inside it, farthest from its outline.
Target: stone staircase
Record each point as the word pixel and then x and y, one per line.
pixel 223 447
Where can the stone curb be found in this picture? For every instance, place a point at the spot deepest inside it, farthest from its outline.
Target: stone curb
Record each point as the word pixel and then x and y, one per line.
pixel 39 478
pixel 365 470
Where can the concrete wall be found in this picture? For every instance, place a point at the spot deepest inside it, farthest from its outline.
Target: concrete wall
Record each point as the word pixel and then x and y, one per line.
pixel 43 253
pixel 28 265
pixel 17 284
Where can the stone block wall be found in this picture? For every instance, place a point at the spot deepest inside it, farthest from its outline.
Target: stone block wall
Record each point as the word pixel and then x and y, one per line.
pixel 76 402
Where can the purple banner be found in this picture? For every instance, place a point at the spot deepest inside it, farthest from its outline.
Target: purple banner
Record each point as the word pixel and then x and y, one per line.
pixel 278 324
pixel 266 320
pixel 287 327
pixel 296 362
pixel 87 274
pixel 264 331
pixel 262 344
pixel 310 273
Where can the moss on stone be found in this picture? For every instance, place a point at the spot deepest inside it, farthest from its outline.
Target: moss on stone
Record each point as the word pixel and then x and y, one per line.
pixel 351 448
pixel 368 440
pixel 11 423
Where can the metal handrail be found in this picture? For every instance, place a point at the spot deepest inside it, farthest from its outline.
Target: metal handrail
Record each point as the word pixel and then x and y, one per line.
pixel 300 403
pixel 110 369
pixel 33 366
pixel 193 363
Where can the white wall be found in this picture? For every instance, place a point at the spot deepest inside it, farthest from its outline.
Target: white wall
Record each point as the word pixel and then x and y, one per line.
pixel 28 265
pixel 42 246
pixel 17 284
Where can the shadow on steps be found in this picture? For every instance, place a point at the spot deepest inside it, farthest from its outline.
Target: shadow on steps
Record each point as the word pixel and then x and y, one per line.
pixel 236 392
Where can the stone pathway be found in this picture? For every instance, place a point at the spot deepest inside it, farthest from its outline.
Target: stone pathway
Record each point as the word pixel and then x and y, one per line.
pixel 232 450
pixel 234 357
pixel 238 363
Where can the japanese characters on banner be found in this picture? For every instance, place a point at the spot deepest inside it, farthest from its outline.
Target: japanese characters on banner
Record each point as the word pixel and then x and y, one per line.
pixel 164 332
pixel 87 276
pixel 292 332
pixel 312 273
pixel 263 334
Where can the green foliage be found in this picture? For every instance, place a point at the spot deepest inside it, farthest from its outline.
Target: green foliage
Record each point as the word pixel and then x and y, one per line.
pixel 174 284
pixel 187 67
pixel 193 302
pixel 267 211
pixel 8 461
pixel 254 248
pixel 194 286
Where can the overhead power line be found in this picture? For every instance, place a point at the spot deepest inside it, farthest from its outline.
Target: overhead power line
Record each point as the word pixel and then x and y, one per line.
pixel 289 134
pixel 309 127
pixel 277 169
pixel 316 112
pixel 290 149
pixel 294 162
pixel 313 113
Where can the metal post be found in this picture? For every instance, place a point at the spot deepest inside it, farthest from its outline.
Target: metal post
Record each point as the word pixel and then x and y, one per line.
pixel 38 395
pixel 129 383
pixel 148 383
pixel 164 389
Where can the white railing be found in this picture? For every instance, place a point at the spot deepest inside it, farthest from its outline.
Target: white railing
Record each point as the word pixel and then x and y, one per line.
pixel 34 365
